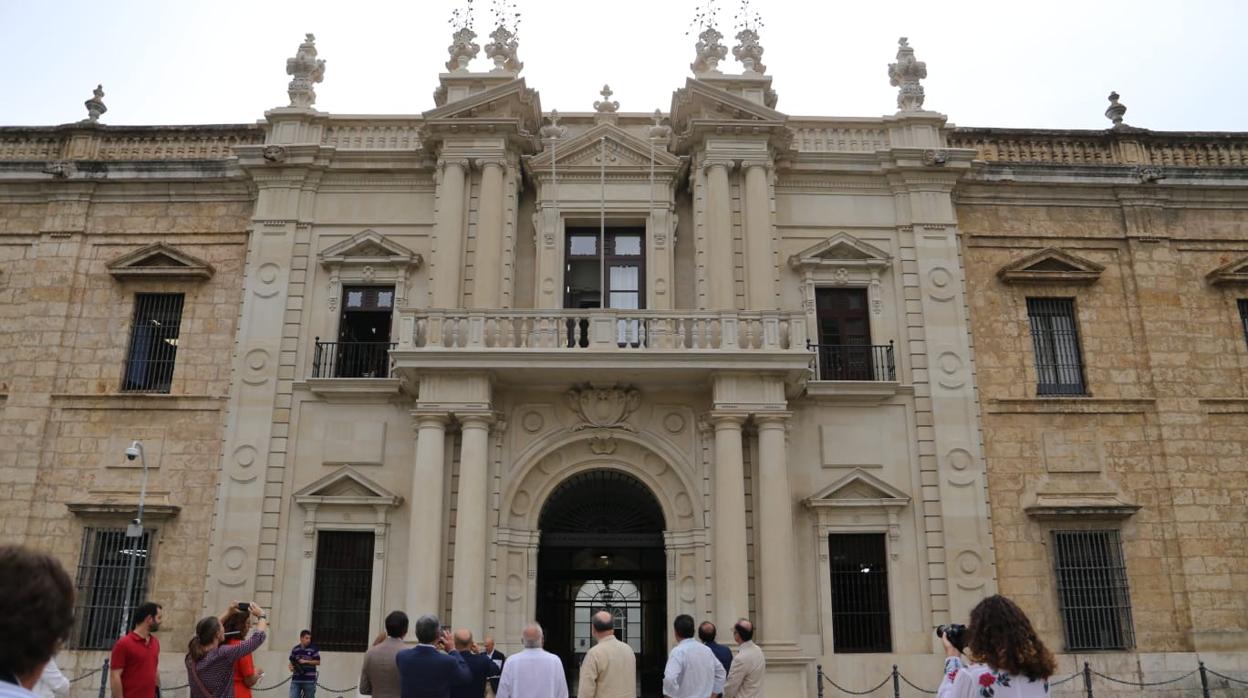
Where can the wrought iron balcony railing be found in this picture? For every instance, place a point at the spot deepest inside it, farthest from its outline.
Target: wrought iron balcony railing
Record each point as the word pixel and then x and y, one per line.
pixel 855 362
pixel 608 330
pixel 351 359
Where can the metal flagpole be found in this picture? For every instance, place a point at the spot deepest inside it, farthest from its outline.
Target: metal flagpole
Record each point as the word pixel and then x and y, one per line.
pixel 602 227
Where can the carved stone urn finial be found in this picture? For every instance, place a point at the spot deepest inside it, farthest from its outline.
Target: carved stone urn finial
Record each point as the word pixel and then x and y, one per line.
pixel 462 50
pixel 95 105
pixel 906 74
pixel 1116 110
pixel 502 50
pixel 709 51
pixel 553 131
pixel 306 70
pixel 749 52
pixel 606 106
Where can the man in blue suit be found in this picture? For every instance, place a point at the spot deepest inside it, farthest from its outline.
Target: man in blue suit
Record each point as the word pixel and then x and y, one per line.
pixel 482 667
pixel 424 672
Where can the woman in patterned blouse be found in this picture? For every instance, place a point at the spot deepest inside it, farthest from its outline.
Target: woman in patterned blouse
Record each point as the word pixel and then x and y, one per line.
pixel 210 662
pixel 1009 660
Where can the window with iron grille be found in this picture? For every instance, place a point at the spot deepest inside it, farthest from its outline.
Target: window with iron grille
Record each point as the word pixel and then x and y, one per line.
pixel 153 342
pixel 1055 335
pixel 1092 590
pixel 1243 316
pixel 860 617
pixel 343 590
pixel 102 571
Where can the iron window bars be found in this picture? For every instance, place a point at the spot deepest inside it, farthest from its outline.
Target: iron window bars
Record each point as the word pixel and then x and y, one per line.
pixel 101 583
pixel 859 574
pixel 341 594
pixel 1092 590
pixel 153 342
pixel 1055 336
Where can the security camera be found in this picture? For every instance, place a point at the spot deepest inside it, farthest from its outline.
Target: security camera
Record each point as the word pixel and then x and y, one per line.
pixel 133 451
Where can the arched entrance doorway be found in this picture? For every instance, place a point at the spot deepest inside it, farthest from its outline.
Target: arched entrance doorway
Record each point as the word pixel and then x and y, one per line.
pixel 602 548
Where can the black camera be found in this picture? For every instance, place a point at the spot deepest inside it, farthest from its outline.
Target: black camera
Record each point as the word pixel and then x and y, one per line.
pixel 244 606
pixel 955 633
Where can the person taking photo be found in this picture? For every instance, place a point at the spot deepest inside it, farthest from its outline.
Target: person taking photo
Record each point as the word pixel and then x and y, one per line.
pixel 1008 660
pixel 210 662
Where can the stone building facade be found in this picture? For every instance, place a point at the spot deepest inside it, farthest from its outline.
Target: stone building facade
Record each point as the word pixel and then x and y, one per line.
pixel 500 364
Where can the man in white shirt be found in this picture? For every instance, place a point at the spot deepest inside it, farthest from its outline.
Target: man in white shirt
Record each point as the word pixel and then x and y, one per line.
pixel 533 673
pixel 692 670
pixel 52 684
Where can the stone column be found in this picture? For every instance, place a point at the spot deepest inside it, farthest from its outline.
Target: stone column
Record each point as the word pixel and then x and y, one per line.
pixel 759 248
pixel 424 541
pixel 719 263
pixel 487 264
pixel 775 542
pixel 732 586
pixel 468 590
pixel 448 226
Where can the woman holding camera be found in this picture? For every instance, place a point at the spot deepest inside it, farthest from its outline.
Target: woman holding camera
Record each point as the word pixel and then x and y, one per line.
pixel 210 662
pixel 1009 660
pixel 245 674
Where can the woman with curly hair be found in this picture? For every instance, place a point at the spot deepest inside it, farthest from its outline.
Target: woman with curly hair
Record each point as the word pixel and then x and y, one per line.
pixel 1009 660
pixel 210 662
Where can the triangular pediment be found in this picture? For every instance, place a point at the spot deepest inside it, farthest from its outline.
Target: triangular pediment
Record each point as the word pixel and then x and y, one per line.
pixel 511 100
pixel 699 99
pixel 841 250
pixel 1235 272
pixel 859 488
pixel 159 261
pixel 346 486
pixel 1051 265
pixel 369 247
pixel 585 150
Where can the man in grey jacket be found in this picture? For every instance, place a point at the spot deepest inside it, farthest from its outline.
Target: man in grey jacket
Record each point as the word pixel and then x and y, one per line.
pixel 379 676
pixel 745 678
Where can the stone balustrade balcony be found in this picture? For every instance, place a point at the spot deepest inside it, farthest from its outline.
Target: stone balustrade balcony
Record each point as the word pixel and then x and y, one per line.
pixel 548 346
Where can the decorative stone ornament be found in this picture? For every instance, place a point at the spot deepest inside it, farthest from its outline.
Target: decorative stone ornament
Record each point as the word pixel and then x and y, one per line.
pixel 274 153
pixel 1116 110
pixel 709 52
pixel 95 105
pixel 462 50
pixel 749 52
pixel 306 70
pixel 553 131
pixel 659 131
pixel 606 106
pixel 604 407
pixel 502 50
pixel 906 74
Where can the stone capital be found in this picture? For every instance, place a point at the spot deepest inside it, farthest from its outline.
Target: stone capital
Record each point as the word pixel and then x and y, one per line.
pixel 756 162
pixel 726 163
pixel 462 163
pixel 476 420
pixel 483 163
pixel 720 419
pixel 772 420
pixel 427 417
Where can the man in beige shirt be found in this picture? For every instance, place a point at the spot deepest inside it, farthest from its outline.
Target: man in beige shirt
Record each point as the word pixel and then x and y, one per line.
pixel 610 668
pixel 745 678
pixel 379 676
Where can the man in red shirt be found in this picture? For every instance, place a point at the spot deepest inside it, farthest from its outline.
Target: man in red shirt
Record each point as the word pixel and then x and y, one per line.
pixel 132 670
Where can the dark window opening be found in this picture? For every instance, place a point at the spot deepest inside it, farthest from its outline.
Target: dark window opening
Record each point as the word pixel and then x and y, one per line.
pixel 363 346
pixel 103 569
pixel 844 351
pixel 153 342
pixel 617 273
pixel 342 590
pixel 859 573
pixel 1243 316
pixel 1055 336
pixel 1092 590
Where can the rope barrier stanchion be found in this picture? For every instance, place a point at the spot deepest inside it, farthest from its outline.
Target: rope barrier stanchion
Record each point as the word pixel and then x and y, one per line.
pixel 896 683
pixel 1087 679
pixel 819 680
pixel 103 677
pixel 1204 681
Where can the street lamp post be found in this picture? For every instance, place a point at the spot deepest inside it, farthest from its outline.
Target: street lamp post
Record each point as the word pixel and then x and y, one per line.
pixel 134 537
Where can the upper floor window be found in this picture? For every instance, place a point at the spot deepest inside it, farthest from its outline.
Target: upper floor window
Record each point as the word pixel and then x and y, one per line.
pixel 618 271
pixel 1055 336
pixel 153 342
pixel 845 352
pixel 1243 316
pixel 859 574
pixel 341 592
pixel 103 568
pixel 1092 590
pixel 363 346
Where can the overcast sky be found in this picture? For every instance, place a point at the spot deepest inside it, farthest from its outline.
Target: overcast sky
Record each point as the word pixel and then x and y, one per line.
pixel 1178 64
